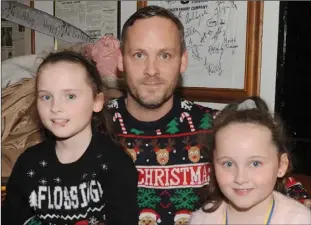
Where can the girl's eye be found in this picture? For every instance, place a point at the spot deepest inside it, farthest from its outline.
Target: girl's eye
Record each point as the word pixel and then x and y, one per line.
pixel 165 56
pixel 256 163
pixel 72 96
pixel 45 97
pixel 228 164
pixel 138 55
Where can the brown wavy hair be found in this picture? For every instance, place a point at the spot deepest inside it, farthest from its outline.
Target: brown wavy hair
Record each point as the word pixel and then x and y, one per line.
pixel 212 195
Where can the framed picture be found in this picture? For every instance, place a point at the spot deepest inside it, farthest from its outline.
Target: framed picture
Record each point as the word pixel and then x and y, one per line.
pixel 223 40
pixel 33 36
pixel 16 39
pixel 95 18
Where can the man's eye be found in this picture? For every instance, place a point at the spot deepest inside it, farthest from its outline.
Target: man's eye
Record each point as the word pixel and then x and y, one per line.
pixel 138 55
pixel 165 56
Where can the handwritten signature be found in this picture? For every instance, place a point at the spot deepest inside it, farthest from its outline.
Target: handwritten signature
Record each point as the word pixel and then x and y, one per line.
pixel 195 16
pixel 194 49
pixel 207 34
pixel 211 22
pixel 191 31
pixel 224 6
pixel 213 68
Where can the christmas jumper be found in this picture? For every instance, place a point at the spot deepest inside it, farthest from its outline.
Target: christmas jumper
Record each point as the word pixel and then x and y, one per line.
pixel 286 211
pixel 167 154
pixel 168 157
pixel 100 187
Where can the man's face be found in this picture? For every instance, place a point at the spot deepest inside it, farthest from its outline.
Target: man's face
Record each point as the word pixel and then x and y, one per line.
pixel 152 61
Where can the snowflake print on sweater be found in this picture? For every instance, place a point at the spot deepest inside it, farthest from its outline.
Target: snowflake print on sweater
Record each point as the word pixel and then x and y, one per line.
pixel 184 199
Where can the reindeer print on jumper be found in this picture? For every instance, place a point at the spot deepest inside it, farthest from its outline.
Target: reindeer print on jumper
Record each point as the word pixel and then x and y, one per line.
pixel 162 154
pixel 194 151
pixel 169 159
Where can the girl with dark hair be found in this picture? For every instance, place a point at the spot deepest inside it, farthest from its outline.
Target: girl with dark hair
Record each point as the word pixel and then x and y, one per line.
pixel 251 163
pixel 78 175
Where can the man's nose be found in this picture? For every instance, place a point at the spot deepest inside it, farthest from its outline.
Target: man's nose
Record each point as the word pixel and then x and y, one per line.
pixel 152 67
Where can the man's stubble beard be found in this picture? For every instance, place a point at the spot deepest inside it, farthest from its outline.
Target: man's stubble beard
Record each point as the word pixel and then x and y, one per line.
pixel 162 101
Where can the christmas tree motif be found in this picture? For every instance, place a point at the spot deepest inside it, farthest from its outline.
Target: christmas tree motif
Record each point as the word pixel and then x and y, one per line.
pixel 33 200
pixel 137 132
pixel 147 198
pixel 184 199
pixel 134 151
pixel 172 126
pixel 206 121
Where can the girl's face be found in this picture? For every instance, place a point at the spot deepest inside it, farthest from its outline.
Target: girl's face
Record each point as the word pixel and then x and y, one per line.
pixel 65 99
pixel 247 163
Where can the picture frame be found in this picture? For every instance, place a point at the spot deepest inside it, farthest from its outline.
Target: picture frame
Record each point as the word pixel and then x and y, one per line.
pixel 33 34
pixel 252 71
pixel 17 40
pixel 110 18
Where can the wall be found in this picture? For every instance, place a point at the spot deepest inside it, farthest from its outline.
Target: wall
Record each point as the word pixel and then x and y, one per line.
pixel 42 41
pixel 269 46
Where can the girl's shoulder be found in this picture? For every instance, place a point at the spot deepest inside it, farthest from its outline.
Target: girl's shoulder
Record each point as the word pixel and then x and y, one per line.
pixel 28 160
pixel 200 217
pixel 111 148
pixel 37 150
pixel 288 203
pixel 291 209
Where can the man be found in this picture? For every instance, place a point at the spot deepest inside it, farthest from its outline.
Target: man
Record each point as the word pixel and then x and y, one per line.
pixel 163 133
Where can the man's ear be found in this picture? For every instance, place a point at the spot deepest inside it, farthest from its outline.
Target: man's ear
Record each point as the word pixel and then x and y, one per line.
pixel 120 60
pixel 99 102
pixel 184 62
pixel 283 165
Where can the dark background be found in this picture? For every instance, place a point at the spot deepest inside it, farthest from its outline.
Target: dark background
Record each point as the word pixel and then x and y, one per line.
pixel 293 80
